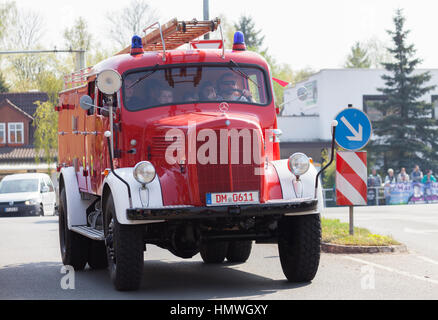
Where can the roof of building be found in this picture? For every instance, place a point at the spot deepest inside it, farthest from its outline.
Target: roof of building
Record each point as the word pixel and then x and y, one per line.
pixel 25 100
pixel 10 104
pixel 21 153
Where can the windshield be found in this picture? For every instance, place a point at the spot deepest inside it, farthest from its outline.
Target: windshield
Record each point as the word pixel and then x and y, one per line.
pixel 194 84
pixel 16 186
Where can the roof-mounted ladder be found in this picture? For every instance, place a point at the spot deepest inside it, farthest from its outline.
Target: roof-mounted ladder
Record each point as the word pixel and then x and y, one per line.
pixel 174 34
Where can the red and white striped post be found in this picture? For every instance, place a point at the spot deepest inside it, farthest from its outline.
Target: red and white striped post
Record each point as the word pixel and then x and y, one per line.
pixel 351 180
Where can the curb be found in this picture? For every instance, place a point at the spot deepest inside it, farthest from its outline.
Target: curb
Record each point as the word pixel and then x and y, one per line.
pixel 338 248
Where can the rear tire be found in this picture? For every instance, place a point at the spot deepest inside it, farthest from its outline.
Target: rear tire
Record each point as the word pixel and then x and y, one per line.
pixel 74 247
pixel 214 252
pixel 299 246
pixel 124 244
pixel 239 251
pixel 97 258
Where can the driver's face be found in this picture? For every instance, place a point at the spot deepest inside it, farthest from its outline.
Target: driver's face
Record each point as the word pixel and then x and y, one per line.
pixel 228 85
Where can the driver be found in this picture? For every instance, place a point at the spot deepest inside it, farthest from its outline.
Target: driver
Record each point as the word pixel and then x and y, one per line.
pixel 228 89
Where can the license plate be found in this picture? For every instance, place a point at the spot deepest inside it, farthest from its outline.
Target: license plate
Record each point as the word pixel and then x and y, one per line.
pixel 225 198
pixel 11 209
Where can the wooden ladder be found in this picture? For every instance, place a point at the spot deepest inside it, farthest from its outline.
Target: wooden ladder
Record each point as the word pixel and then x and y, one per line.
pixel 174 34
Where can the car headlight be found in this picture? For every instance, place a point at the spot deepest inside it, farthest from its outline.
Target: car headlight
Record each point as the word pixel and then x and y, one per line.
pixel 144 172
pixel 298 163
pixel 31 202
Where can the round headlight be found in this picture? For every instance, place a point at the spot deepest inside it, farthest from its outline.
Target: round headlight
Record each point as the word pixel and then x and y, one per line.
pixel 298 164
pixel 144 172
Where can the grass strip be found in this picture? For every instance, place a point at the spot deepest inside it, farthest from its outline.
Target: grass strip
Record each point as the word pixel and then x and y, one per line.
pixel 336 232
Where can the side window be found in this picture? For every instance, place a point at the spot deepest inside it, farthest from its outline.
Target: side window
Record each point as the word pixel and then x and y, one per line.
pixel 254 88
pixel 91 93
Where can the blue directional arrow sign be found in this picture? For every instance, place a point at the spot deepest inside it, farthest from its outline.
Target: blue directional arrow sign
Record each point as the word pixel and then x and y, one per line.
pixel 354 129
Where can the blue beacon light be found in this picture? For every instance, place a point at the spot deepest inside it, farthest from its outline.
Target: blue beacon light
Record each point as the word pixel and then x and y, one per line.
pixel 239 41
pixel 136 46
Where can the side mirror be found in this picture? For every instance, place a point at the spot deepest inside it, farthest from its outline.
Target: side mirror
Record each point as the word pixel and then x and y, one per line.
pixel 86 102
pixel 109 81
pixel 44 189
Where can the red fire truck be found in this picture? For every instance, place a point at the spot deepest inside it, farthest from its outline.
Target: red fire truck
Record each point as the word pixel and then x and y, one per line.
pixel 179 147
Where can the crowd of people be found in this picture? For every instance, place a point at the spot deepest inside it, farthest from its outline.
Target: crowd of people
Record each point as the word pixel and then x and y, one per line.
pixel 375 180
pixel 416 177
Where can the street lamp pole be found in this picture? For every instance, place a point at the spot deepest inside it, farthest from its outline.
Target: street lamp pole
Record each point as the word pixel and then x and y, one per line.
pixel 206 17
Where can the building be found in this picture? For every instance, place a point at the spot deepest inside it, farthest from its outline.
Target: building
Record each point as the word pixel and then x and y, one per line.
pixel 307 114
pixel 17 151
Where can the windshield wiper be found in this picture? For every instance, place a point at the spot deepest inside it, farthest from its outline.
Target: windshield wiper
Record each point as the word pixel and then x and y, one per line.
pixel 243 74
pixel 145 76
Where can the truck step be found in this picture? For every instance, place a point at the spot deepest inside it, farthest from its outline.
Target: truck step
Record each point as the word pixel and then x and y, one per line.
pixel 89 232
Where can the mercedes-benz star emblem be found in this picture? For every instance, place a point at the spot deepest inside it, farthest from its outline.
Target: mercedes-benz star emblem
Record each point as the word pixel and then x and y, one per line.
pixel 11 203
pixel 224 107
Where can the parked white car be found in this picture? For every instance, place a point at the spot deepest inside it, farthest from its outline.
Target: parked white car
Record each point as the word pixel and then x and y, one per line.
pixel 27 194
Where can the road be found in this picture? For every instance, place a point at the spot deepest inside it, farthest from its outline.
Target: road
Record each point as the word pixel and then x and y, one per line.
pixel 30 266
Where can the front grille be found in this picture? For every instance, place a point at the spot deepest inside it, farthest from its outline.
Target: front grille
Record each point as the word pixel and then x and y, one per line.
pixel 227 177
pixel 160 145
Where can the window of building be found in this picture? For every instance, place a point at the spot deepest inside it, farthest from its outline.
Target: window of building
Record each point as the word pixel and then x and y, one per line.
pixel 15 132
pixel 371 104
pixel 2 133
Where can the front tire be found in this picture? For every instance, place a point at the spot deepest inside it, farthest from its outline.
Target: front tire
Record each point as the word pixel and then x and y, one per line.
pixel 299 246
pixel 74 247
pixel 124 244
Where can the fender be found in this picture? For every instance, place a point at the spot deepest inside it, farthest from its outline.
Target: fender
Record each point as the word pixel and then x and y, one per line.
pixel 287 180
pixel 150 197
pixel 76 207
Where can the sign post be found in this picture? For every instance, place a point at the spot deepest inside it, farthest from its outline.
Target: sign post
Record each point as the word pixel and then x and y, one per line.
pixel 353 133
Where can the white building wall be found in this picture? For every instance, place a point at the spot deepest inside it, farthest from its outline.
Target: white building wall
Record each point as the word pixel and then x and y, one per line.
pixel 336 88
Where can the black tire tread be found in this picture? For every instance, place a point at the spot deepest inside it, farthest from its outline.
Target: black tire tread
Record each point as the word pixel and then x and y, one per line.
pixel 239 251
pixel 76 245
pixel 214 252
pixel 299 247
pixel 128 272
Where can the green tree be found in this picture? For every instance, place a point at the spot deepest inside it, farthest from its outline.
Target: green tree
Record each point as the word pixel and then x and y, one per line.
pixel 3 85
pixel 253 39
pixel 46 132
pixel 358 57
pixel 406 134
pixel 77 37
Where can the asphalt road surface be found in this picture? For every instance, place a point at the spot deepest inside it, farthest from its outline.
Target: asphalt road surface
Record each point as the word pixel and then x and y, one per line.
pixel 30 266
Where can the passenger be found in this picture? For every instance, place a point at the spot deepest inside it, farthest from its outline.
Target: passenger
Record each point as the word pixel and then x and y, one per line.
pixel 165 97
pixel 228 89
pixel 207 92
pixel 190 96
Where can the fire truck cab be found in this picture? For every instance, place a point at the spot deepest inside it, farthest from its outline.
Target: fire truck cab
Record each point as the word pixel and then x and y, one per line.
pixel 180 148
